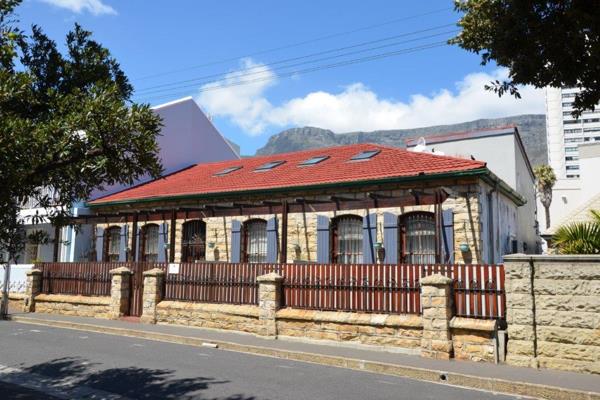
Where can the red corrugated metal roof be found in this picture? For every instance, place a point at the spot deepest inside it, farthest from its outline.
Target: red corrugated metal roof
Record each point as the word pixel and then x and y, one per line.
pixel 200 179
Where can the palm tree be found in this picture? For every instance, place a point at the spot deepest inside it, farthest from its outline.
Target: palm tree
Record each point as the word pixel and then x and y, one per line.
pixel 545 180
pixel 579 237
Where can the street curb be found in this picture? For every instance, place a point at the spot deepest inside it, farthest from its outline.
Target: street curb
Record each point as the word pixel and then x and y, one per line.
pixel 437 376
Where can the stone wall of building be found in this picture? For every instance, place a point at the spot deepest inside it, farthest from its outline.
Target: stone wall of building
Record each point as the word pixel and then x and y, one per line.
pixel 81 306
pixel 302 228
pixel 205 315
pixel 553 312
pixel 392 331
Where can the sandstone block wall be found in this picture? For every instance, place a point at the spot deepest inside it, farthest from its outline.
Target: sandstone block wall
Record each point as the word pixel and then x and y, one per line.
pixel 398 331
pixel 553 312
pixel 16 301
pixel 81 306
pixel 218 316
pixel 474 339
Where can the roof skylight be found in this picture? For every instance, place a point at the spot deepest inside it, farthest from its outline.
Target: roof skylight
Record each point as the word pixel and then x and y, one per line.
pixel 268 166
pixel 313 160
pixel 365 155
pixel 228 170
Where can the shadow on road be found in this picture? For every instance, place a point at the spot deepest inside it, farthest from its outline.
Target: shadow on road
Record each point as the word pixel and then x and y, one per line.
pixel 132 382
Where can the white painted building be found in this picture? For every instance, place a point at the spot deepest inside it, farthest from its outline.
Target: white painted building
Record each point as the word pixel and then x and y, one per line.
pixel 188 137
pixel 507 228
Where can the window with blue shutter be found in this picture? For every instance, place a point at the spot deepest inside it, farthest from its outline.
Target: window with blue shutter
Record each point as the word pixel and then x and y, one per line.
pixel 322 239
pixel 272 240
pixel 236 241
pixel 390 237
pixel 369 238
pixel 163 230
pixel 124 243
pixel 99 243
pixel 448 236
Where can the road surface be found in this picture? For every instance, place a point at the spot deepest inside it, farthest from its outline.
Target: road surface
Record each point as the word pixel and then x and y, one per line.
pixel 39 362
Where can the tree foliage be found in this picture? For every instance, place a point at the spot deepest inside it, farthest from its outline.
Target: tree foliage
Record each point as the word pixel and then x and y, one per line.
pixel 542 43
pixel 579 237
pixel 66 123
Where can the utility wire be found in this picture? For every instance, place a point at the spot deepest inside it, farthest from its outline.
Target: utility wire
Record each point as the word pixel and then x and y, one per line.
pixel 152 89
pixel 216 86
pixel 297 44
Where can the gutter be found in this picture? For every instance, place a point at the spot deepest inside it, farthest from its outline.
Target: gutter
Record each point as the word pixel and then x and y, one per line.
pixel 484 173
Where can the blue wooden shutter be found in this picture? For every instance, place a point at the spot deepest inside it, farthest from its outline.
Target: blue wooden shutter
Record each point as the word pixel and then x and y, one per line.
pixel 138 243
pixel 272 242
pixel 369 238
pixel 124 243
pixel 163 230
pixel 390 237
pixel 236 241
pixel 322 239
pixel 99 244
pixel 448 236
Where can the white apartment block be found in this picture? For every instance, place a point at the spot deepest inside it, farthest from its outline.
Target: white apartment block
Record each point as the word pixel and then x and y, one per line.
pixel 566 133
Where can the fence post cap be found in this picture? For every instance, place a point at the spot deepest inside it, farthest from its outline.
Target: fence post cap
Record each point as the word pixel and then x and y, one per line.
pixel 120 271
pixel 272 277
pixel 154 272
pixel 436 280
pixel 33 271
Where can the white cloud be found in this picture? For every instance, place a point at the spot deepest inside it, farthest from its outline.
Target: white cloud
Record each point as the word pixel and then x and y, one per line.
pixel 96 7
pixel 356 107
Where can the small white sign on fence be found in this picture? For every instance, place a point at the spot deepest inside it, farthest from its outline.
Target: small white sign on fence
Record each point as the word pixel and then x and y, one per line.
pixel 174 268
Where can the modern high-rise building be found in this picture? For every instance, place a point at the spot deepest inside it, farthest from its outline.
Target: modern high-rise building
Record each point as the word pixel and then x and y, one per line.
pixel 566 133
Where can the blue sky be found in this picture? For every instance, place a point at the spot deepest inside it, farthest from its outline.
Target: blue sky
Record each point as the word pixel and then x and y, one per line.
pixel 166 42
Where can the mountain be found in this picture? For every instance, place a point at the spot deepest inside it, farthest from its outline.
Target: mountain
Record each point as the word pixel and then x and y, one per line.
pixel 532 128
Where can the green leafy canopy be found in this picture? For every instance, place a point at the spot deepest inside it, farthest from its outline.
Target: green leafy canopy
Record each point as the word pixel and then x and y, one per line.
pixel 66 123
pixel 579 237
pixel 542 43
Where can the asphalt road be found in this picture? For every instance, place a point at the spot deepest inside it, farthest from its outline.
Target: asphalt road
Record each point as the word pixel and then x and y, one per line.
pixel 50 363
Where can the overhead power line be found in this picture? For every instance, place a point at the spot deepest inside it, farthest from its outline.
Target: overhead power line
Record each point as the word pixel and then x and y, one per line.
pixel 296 44
pixel 216 85
pixel 260 68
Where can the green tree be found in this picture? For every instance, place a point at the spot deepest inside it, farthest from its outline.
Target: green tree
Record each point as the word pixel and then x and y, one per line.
pixel 545 180
pixel 579 237
pixel 67 123
pixel 541 42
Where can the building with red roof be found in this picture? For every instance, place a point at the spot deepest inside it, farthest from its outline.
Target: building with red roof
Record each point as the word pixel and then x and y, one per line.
pixel 361 203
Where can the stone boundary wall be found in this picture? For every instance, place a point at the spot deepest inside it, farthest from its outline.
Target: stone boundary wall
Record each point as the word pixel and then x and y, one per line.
pixel 474 339
pixel 16 301
pixel 81 306
pixel 242 318
pixel 398 331
pixel 553 312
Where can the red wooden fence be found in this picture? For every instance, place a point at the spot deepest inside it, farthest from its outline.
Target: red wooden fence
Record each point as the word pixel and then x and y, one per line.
pixel 216 282
pixel 86 279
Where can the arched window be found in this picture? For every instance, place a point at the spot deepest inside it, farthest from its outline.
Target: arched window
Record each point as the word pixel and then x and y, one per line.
pixel 347 239
pixel 150 243
pixel 417 238
pixel 193 245
pixel 255 241
pixel 112 243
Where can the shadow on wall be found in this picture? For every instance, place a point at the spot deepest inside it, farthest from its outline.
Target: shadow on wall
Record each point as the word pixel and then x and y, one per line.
pixel 130 382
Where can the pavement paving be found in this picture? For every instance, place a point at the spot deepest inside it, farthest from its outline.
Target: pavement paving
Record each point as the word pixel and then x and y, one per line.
pixel 54 363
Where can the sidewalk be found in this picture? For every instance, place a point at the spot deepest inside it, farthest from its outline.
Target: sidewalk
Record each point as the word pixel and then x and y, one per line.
pixel 547 384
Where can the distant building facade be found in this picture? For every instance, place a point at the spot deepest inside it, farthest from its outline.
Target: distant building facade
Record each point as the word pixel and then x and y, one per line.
pixel 507 229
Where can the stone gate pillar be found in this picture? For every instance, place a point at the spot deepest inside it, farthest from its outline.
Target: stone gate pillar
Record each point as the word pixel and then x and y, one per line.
pixel 33 288
pixel 269 301
pixel 436 302
pixel 119 292
pixel 153 292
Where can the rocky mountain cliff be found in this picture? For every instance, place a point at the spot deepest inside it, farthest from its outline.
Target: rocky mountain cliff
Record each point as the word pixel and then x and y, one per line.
pixel 532 128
